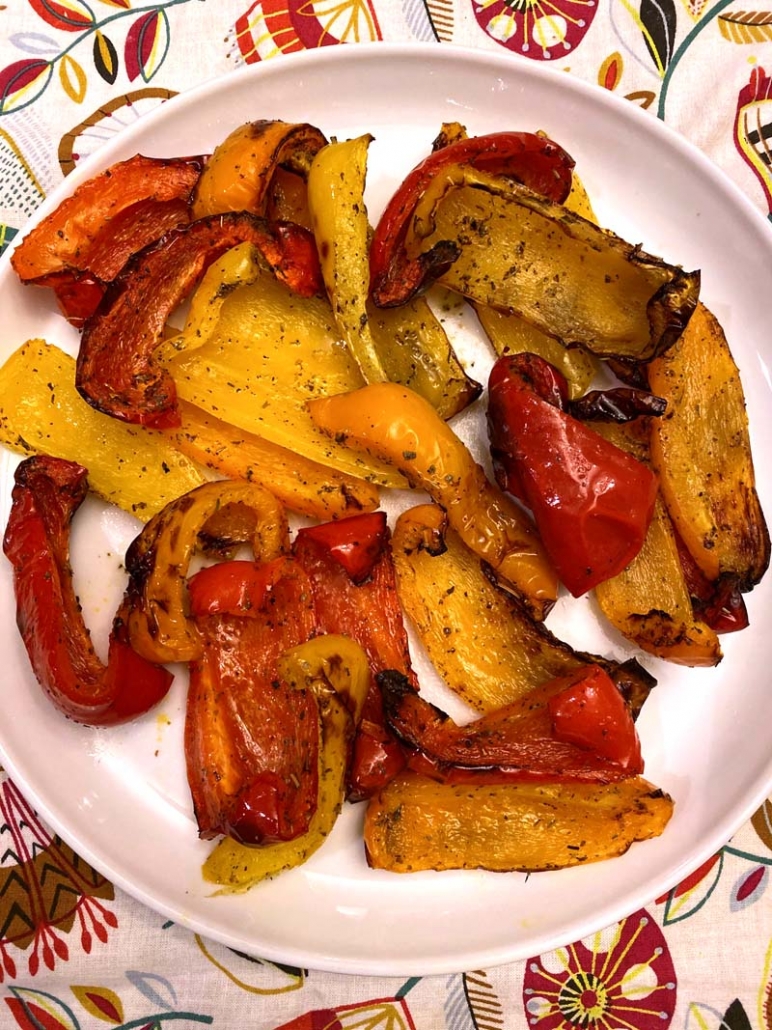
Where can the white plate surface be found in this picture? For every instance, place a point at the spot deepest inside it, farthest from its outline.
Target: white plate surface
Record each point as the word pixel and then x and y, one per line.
pixel 119 796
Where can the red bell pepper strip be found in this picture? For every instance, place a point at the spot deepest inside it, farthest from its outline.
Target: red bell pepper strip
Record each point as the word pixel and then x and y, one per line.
pixel 47 493
pixel 533 160
pixel 80 290
pixel 62 241
pixel 251 740
pixel 366 609
pixel 575 728
pixel 115 371
pixel 591 501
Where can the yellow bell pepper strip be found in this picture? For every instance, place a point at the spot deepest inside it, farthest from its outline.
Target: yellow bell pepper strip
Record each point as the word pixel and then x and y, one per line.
pixel 46 495
pixel 239 173
pixel 349 565
pixel 702 452
pixel 336 189
pixel 521 252
pixel 251 739
pixel 302 485
pixel 336 671
pixel 416 823
pixel 395 275
pixel 159 557
pixel 592 501
pixel 649 602
pixel 396 425
pixel 480 641
pixel 232 362
pixel 406 344
pixel 116 372
pixel 41 412
pixel 509 334
pixel 62 241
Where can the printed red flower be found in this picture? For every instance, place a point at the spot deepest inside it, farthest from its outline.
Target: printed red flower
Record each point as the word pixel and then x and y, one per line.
pixel 540 29
pixel 620 979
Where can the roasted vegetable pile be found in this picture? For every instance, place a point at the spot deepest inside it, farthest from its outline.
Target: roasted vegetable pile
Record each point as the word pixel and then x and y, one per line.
pixel 311 374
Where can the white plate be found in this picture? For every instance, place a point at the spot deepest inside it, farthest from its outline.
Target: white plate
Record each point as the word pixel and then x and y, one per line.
pixel 119 796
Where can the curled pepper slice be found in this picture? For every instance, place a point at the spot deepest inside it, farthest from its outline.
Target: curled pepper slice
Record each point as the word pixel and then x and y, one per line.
pixel 158 559
pixel 47 494
pixel 395 424
pixel 576 727
pixel 251 738
pixel 534 160
pixel 592 502
pixel 115 370
pixel 239 174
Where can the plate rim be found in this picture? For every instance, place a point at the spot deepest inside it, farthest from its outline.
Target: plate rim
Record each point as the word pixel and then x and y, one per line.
pixel 361 52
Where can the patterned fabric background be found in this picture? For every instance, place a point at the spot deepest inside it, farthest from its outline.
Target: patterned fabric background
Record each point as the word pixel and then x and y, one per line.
pixel 77 953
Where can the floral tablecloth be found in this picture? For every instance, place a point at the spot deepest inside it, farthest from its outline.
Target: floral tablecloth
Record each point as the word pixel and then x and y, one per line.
pixel 75 952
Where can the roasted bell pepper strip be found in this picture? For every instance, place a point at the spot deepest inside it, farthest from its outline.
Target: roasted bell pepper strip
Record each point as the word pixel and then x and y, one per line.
pixel 576 727
pixel 62 241
pixel 302 485
pixel 405 345
pixel 481 642
pixel 79 291
pixel 648 602
pixel 355 543
pixel 705 463
pixel 159 557
pixel 366 609
pixel 416 823
pixel 395 424
pixel 336 671
pixel 592 502
pixel 251 739
pixel 532 159
pixel 116 372
pixel 239 173
pixel 47 493
pixel 41 412
pixel 520 252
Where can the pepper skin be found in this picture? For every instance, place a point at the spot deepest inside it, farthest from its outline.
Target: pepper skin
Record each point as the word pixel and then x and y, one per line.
pixel 592 502
pixel 574 728
pixel 115 369
pixel 251 739
pixel 47 494
pixel 535 161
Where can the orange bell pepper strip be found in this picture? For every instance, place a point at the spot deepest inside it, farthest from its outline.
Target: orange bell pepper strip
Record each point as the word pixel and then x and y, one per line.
pixel 529 158
pixel 115 369
pixel 393 423
pixel 240 173
pixel 47 493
